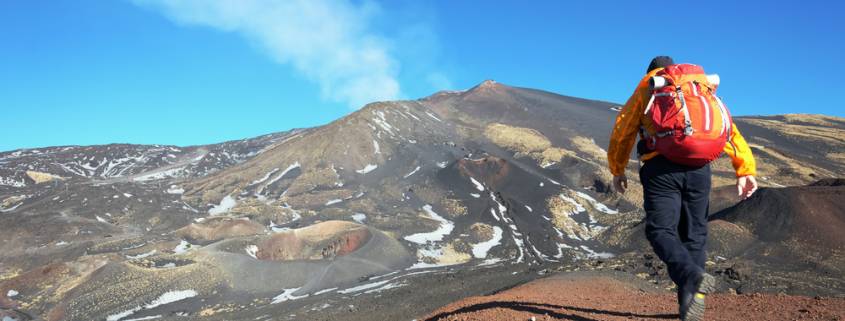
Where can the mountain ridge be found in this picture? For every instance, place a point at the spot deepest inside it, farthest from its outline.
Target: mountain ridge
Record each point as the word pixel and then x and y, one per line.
pixel 494 184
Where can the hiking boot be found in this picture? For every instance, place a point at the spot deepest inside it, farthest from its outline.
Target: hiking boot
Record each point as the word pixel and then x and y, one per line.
pixel 692 305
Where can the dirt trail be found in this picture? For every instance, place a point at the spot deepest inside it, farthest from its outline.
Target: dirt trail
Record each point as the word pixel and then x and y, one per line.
pixel 593 297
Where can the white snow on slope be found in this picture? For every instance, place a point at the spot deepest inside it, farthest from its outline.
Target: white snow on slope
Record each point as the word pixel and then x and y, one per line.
pixel 173 172
pixel 364 287
pixel 166 298
pixel 278 177
pixel 226 204
pixel 252 250
pixel 493 211
pixel 8 181
pixel 596 204
pixel 183 247
pixel 5 210
pixel 376 147
pixel 594 254
pixel 152 317
pixel 175 189
pixel 290 168
pixel 379 285
pixel 432 116
pixel 266 176
pixel 141 256
pixel 287 295
pixel 334 201
pixel 382 122
pixel 367 169
pixel 478 185
pixel 578 207
pixel 412 172
pixel 480 250
pixel 359 217
pixel 445 228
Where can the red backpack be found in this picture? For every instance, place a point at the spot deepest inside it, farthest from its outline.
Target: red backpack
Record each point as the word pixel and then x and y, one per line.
pixel 691 123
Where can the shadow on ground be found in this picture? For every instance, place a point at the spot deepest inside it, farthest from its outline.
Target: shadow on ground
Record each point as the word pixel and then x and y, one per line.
pixel 546 309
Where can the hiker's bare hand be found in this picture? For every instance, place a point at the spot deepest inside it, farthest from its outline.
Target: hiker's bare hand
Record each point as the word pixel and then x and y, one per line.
pixel 745 186
pixel 620 183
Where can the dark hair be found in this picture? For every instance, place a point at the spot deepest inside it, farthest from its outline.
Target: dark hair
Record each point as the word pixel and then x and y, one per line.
pixel 660 62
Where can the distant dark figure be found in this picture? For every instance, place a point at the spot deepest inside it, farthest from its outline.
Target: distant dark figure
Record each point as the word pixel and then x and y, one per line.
pixel 683 126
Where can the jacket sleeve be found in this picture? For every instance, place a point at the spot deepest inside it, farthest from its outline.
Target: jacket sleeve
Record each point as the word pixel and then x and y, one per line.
pixel 740 154
pixel 625 130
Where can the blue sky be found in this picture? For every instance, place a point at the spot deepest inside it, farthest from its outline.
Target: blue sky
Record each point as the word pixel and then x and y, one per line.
pixel 197 72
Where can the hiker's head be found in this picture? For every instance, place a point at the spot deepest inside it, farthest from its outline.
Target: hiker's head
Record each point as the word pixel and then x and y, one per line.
pixel 660 62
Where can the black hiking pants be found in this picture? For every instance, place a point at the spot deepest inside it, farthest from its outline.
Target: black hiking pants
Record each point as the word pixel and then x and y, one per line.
pixel 676 199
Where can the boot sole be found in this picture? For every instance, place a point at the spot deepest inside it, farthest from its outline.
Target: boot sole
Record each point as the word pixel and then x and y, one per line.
pixel 696 308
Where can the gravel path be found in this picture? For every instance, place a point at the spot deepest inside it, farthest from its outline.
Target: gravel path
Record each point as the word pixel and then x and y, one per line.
pixel 594 297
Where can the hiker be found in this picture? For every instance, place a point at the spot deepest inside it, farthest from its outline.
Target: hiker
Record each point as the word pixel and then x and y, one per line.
pixel 683 126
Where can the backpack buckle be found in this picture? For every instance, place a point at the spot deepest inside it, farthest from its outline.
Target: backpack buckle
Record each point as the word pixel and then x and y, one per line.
pixel 688 129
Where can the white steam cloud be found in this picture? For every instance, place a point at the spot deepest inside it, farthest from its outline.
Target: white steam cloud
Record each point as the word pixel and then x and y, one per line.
pixel 329 41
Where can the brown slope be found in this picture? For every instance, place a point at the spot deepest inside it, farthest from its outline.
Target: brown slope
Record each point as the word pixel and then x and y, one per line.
pixel 597 297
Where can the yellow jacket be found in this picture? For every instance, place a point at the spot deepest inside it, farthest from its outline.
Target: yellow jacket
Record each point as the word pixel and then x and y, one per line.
pixel 632 117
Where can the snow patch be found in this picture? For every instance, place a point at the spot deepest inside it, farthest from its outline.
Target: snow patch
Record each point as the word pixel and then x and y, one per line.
pixel 324 291
pixel 287 295
pixel 376 147
pixel 183 247
pixel 480 250
pixel 382 122
pixel 266 176
pixel 364 287
pixel 141 256
pixel 493 211
pixel 478 185
pixel 412 172
pixel 359 217
pixel 12 293
pixel 367 169
pixel 8 181
pixel 6 210
pixel 226 204
pixel 173 172
pixel 598 255
pixel 578 207
pixel 166 298
pixel 175 189
pixel 252 250
pixel 432 116
pixel 334 201
pixel 278 177
pixel 152 317
pixel 596 204
pixel 445 228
